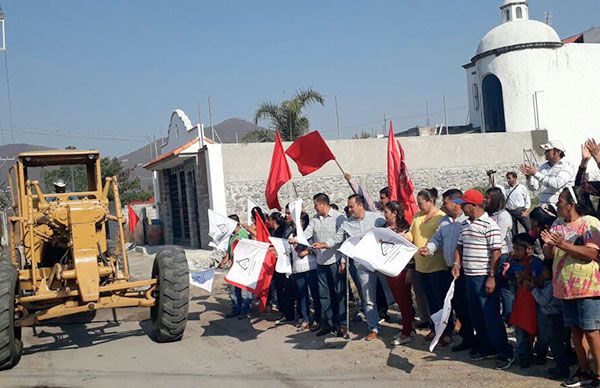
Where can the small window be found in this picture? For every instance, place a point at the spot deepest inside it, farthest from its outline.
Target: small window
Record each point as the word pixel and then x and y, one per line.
pixel 475 97
pixel 519 13
pixel 508 15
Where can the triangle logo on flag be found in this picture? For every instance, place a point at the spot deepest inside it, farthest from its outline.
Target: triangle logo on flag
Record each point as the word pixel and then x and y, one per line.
pixel 244 263
pixel 222 228
pixel 386 247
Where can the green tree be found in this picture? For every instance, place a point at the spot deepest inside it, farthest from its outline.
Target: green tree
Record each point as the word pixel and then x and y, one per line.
pixel 362 135
pixel 287 117
pixel 259 136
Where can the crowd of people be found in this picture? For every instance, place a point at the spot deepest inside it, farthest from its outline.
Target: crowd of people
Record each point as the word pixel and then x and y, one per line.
pixel 531 270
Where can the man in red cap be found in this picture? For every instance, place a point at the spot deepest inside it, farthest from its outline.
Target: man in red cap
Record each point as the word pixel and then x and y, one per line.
pixel 477 253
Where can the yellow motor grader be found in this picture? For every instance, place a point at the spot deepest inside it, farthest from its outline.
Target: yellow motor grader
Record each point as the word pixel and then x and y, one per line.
pixel 60 263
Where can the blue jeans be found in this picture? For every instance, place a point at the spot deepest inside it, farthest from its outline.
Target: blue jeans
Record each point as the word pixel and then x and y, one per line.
pixel 507 290
pixel 485 318
pixel 435 286
pixel 305 281
pixel 368 284
pixel 240 300
pixel 355 279
pixel 524 348
pixel 460 305
pixel 332 292
pixel 551 330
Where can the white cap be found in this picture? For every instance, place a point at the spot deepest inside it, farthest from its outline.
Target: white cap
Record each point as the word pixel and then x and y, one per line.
pixel 60 183
pixel 553 144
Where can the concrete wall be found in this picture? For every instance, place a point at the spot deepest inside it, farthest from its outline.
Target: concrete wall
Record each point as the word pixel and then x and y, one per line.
pixel 440 161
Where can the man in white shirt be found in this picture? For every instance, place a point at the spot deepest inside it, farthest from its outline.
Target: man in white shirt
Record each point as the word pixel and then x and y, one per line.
pixel 552 176
pixel 518 202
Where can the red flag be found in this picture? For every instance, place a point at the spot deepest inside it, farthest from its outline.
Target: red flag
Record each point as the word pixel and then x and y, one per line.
pixel 278 175
pixel 399 184
pixel 133 219
pixel 523 311
pixel 310 152
pixel 268 268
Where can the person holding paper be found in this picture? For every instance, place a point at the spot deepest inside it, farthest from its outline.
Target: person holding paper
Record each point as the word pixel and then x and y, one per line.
pixel 284 286
pixel 241 300
pixel 399 285
pixel 445 238
pixel 360 222
pixel 304 274
pixel 322 228
pixel 431 273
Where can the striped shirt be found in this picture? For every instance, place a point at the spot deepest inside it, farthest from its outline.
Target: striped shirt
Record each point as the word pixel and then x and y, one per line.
pixel 478 239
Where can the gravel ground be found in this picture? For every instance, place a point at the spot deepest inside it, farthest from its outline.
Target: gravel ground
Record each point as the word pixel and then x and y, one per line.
pixel 115 349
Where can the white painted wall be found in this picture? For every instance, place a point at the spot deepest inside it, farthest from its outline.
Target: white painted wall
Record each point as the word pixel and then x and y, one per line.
pixel 568 84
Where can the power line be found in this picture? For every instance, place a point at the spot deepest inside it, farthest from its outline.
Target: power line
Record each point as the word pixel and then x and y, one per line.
pixel 92 136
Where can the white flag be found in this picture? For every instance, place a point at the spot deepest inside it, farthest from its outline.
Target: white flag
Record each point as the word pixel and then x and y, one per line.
pixel 380 249
pixel 295 212
pixel 248 259
pixel 250 204
pixel 203 279
pixel 283 248
pixel 220 228
pixel 440 318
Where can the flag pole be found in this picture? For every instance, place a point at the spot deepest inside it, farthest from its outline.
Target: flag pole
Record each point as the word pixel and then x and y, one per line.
pixel 344 174
pixel 347 300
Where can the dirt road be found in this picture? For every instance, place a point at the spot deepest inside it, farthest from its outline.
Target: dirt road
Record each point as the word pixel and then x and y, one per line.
pixel 237 353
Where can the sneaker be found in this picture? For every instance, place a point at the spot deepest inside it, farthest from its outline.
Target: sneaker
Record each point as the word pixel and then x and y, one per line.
pixel 315 326
pixel 503 363
pixel 401 339
pixel 283 321
pixel 342 331
pixel 476 355
pixel 303 326
pixel 324 331
pixel 579 379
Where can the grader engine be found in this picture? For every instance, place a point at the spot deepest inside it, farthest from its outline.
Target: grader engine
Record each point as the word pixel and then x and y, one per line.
pixel 61 263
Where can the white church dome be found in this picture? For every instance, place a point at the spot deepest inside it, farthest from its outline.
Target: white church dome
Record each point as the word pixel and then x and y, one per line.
pixel 517 32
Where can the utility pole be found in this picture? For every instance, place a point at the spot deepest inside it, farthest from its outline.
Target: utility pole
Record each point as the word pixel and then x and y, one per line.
pixel 200 128
pixel 384 123
pixel 445 113
pixel 337 118
pixel 212 128
pixel 427 111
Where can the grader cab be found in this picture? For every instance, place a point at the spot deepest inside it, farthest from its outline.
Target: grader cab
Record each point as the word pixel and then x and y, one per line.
pixel 61 263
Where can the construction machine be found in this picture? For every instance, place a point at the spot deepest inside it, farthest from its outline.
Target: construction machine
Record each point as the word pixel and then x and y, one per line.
pixel 58 261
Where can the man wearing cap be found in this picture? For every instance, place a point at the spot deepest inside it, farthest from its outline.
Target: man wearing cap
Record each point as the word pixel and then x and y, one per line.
pixel 477 253
pixel 552 176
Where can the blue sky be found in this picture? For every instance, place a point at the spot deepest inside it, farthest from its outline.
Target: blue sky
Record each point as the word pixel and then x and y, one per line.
pixel 119 68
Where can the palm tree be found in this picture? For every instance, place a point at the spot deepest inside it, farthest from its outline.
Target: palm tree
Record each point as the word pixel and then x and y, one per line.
pixel 259 136
pixel 362 135
pixel 287 117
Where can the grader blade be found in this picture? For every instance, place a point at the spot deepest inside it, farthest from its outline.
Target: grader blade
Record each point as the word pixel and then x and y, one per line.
pixel 85 250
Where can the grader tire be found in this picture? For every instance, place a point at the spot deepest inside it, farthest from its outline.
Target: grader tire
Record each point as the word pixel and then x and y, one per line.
pixel 170 312
pixel 10 341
